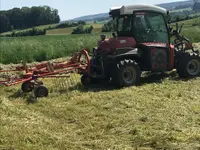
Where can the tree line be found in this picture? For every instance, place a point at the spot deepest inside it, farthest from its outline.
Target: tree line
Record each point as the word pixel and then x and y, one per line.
pixel 25 17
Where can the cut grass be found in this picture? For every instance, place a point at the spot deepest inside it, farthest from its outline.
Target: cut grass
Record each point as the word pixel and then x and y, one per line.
pixel 162 113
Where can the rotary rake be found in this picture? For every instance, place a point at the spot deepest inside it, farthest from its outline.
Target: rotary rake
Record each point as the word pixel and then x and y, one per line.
pixel 29 75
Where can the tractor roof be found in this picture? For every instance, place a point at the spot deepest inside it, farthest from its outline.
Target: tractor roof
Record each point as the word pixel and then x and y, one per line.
pixel 128 9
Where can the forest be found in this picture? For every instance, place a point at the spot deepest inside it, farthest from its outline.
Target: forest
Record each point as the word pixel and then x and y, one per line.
pixel 25 17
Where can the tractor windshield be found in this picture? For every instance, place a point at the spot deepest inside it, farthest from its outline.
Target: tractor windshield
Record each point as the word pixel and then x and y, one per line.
pixel 150 27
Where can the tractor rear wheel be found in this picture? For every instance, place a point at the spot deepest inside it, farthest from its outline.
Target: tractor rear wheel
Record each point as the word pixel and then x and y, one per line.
pixel 188 66
pixel 127 73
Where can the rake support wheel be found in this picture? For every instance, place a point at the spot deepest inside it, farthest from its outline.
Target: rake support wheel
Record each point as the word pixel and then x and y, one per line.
pixel 41 91
pixel 27 86
pixel 86 80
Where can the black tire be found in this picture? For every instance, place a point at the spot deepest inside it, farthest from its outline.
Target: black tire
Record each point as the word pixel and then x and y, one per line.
pixel 41 91
pixel 27 87
pixel 127 73
pixel 85 80
pixel 188 66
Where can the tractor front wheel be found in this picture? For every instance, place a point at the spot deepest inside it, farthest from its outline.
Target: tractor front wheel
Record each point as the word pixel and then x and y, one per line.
pixel 127 73
pixel 188 66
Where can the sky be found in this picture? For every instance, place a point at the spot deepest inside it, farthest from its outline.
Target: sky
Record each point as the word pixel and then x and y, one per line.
pixel 69 9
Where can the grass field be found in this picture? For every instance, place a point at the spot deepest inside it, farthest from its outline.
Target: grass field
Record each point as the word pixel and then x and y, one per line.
pixel 40 48
pixel 162 113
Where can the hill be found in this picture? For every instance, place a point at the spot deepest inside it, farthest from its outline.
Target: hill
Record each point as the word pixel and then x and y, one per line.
pixel 105 16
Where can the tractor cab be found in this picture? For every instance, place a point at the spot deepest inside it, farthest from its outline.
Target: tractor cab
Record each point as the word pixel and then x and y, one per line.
pixel 145 23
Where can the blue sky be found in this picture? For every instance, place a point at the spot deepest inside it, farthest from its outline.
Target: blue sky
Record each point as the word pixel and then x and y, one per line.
pixel 69 9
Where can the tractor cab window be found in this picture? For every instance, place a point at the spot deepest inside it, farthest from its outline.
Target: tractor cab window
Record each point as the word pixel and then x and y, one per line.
pixel 150 27
pixel 124 26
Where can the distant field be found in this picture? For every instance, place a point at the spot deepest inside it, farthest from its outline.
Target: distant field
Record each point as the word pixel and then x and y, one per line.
pixel 37 27
pixel 66 31
pixel 61 31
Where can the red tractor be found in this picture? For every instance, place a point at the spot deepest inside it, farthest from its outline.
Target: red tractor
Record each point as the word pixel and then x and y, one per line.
pixel 141 43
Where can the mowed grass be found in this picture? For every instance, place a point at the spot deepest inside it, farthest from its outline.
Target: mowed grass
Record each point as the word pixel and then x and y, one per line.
pixel 162 113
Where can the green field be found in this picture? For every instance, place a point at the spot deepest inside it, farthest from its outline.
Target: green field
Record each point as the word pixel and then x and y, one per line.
pixel 41 48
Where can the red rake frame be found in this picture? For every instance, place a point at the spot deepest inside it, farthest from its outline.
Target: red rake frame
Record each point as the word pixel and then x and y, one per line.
pixel 49 70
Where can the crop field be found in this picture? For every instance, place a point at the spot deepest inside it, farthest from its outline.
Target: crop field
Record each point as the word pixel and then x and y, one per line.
pixel 41 48
pixel 162 113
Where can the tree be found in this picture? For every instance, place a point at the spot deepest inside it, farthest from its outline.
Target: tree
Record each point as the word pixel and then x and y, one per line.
pixel 4 24
pixel 81 22
pixel 25 17
pixel 196 8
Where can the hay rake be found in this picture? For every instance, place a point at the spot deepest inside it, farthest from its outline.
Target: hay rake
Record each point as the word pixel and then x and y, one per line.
pixel 79 63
